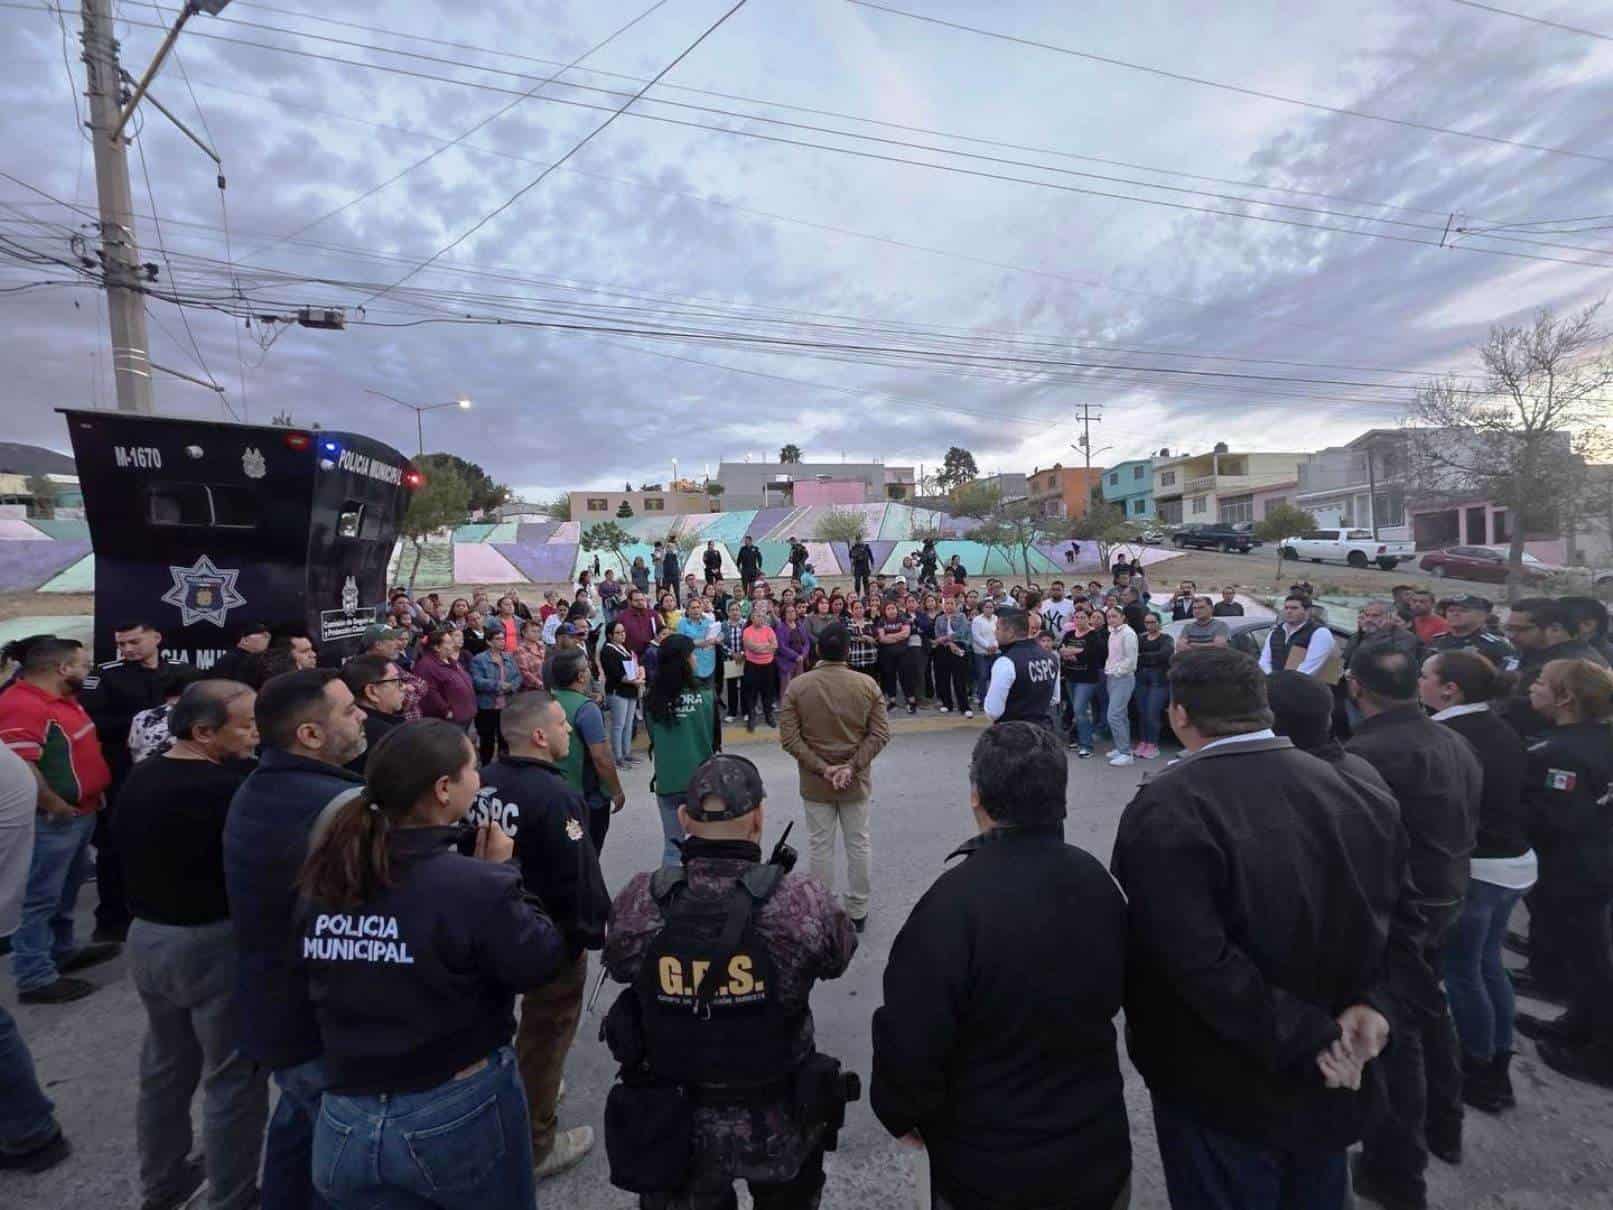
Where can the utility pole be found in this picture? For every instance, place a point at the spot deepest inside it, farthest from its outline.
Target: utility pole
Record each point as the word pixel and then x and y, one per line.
pixel 1372 492
pixel 120 257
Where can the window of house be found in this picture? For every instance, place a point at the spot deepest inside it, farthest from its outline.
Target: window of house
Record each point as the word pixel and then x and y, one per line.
pixel 1237 512
pixel 1136 472
pixel 1114 479
pixel 598 504
pixel 1170 512
pixel 1275 502
pixel 1232 466
pixel 1139 507
pixel 1200 504
pixel 1167 478
pixel 654 504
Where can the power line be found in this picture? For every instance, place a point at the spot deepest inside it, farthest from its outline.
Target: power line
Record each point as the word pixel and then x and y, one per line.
pixel 1237 88
pixel 1572 29
pixel 963 171
pixel 463 135
pixel 575 148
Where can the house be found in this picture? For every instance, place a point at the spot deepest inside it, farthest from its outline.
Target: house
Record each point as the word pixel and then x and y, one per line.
pixel 605 505
pixel 22 466
pixel 1361 484
pixel 1219 488
pixel 774 484
pixel 1129 487
pixel 1063 491
pixel 1011 486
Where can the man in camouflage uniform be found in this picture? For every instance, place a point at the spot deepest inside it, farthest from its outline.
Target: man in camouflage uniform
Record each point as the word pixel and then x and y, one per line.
pixel 754 1136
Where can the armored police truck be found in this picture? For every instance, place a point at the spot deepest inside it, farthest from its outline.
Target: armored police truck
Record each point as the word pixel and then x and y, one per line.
pixel 198 526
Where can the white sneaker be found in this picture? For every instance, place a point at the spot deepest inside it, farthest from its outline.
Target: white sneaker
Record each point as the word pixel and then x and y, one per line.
pixel 946 709
pixel 1121 758
pixel 570 1146
pixel 968 714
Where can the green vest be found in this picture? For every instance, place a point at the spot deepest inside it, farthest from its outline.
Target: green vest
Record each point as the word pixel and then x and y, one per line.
pixel 571 701
pixel 682 745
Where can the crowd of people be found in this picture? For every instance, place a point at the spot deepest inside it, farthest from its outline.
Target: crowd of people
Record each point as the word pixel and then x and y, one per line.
pixel 376 886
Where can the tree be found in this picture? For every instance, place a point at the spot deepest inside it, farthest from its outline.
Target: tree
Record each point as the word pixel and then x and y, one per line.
pixel 607 535
pixel 924 531
pixel 977 501
pixel 846 525
pixel 441 500
pixel 1520 436
pixel 790 453
pixel 714 489
pixel 993 535
pixel 1015 527
pixel 685 540
pixel 1107 527
pixel 624 510
pixel 45 494
pixel 957 468
pixel 486 496
pixel 559 509
pixel 1281 522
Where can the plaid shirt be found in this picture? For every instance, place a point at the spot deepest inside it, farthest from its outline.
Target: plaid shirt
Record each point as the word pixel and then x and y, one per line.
pixel 862 651
pixel 530 661
pixel 733 639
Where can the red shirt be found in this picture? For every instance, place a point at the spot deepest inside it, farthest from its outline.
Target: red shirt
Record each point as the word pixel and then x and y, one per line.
pixel 1429 627
pixel 55 734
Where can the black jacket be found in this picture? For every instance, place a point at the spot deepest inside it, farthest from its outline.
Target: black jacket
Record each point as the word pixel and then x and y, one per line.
pixel 749 560
pixel 531 800
pixel 420 982
pixel 1438 783
pixel 112 695
pixel 1262 883
pixel 997 1046
pixel 1570 810
pixel 1517 710
pixel 265 844
pixel 1503 819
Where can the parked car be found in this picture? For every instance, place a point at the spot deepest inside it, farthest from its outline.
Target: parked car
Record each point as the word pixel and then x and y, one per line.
pixel 1357 547
pixel 1153 537
pixel 1248 527
pixel 1212 537
pixel 1482 563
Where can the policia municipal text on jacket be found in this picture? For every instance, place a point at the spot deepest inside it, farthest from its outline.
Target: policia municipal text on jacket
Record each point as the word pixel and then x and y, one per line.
pixel 720 1079
pixel 415 956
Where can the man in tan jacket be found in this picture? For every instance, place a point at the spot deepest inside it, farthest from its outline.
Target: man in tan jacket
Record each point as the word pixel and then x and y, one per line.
pixel 833 723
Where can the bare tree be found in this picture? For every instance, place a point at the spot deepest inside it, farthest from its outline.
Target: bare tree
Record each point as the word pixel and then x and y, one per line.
pixel 1519 437
pixel 841 525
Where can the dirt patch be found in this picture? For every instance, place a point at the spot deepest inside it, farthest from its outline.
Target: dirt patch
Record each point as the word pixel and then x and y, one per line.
pixel 32 604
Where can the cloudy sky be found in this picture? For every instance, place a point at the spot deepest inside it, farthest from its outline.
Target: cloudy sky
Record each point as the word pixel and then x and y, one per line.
pixel 800 283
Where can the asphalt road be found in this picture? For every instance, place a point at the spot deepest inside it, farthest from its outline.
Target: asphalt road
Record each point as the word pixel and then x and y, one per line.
pixel 1552 1153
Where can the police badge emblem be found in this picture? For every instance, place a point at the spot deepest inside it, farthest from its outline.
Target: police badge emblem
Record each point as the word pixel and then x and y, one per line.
pixel 253 465
pixel 350 596
pixel 203 592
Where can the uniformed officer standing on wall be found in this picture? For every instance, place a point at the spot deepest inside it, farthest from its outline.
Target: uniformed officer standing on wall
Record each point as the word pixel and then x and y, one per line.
pixel 720 1078
pixel 1025 675
pixel 113 694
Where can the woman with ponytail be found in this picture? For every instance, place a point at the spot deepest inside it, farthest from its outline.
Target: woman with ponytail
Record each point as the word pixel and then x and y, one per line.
pixel 415 955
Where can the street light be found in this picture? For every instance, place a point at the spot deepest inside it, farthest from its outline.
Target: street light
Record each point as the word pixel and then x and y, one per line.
pixel 420 409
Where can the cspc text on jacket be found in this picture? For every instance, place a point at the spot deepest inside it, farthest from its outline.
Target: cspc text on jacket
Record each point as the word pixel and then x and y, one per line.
pixel 720 1079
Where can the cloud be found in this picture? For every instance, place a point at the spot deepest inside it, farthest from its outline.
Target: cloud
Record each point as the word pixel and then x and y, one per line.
pixel 670 222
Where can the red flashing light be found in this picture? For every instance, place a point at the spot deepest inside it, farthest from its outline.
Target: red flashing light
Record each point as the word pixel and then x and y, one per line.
pixel 298 441
pixel 413 479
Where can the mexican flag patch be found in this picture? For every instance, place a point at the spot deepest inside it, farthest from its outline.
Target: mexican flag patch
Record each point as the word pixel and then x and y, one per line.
pixel 1559 779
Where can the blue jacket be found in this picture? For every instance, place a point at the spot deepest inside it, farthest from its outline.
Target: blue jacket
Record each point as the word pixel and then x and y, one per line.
pixel 490 680
pixel 265 843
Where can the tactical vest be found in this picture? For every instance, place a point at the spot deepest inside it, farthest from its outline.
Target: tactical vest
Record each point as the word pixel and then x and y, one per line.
pixel 1035 673
pixel 708 990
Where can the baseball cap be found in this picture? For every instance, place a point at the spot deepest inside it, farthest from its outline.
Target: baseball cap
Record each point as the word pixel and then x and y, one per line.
pixel 377 633
pixel 1470 601
pixel 732 780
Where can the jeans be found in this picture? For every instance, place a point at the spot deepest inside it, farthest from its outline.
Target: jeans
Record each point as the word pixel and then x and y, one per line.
pixel 288 1148
pixel 951 685
pixel 983 663
pixel 1475 980
pixel 759 687
pixel 27 1120
pixel 1083 697
pixel 621 725
pixel 896 673
pixel 823 818
pixel 463 1145
pixel 671 829
pixel 61 861
pixel 1153 694
pixel 185 976
pixel 549 1016
pixel 1208 1170
pixel 1120 688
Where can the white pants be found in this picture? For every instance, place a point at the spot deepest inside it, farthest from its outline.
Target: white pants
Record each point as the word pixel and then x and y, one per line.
pixel 852 818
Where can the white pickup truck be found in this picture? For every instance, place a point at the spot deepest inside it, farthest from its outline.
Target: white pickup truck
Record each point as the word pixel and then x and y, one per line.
pixel 1357 547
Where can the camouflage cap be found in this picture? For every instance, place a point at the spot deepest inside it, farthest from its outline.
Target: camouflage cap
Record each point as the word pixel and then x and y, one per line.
pixel 733 781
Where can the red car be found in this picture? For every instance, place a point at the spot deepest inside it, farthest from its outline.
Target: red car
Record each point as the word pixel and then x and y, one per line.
pixel 1481 563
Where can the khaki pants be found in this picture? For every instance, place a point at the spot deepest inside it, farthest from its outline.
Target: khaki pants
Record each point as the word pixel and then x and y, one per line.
pixel 852 819
pixel 549 1017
